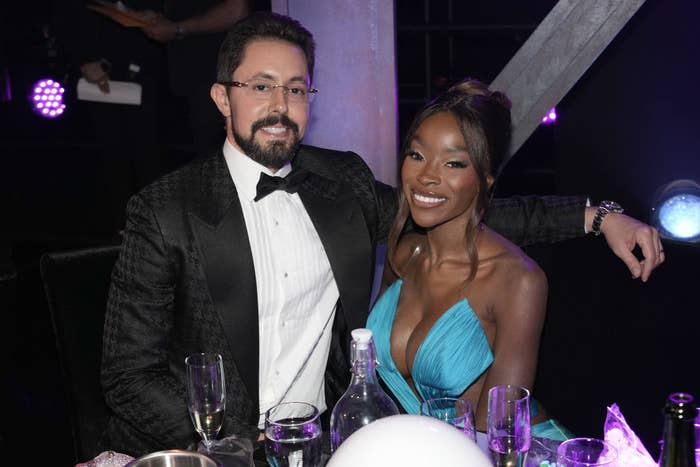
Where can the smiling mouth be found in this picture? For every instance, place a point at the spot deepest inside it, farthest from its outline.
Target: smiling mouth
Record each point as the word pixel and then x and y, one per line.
pixel 427 200
pixel 275 130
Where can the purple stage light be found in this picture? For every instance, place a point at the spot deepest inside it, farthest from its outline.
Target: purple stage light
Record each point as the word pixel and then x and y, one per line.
pixel 47 98
pixel 551 116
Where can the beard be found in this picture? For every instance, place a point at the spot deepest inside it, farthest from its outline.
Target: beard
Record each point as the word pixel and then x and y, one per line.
pixel 277 153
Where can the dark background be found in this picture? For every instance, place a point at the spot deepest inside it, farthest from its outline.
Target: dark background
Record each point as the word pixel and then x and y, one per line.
pixel 627 127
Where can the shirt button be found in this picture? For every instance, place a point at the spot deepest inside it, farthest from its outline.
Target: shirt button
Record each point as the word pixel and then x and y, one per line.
pixel 285 274
pixel 277 223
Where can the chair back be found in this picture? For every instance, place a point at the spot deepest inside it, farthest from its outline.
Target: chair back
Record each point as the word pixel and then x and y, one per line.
pixel 76 284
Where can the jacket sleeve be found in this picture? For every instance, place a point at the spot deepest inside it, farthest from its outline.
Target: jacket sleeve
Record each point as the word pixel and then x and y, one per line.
pixel 138 384
pixel 525 220
pixel 387 205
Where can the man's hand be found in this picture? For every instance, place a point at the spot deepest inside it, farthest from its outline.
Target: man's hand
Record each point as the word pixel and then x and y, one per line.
pixel 623 233
pixel 160 28
pixel 94 73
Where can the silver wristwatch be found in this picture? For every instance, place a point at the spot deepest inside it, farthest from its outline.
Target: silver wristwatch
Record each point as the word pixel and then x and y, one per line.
pixel 604 208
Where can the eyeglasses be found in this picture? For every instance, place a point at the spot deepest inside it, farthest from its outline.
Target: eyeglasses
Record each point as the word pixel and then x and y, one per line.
pixel 262 89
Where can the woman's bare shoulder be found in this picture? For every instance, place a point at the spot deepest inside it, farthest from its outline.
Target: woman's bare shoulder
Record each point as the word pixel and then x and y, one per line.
pixel 513 265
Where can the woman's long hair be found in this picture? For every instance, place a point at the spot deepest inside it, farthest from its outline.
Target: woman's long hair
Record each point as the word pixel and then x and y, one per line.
pixel 484 119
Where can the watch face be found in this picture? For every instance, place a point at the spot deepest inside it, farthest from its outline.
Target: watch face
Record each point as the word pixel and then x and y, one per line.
pixel 611 206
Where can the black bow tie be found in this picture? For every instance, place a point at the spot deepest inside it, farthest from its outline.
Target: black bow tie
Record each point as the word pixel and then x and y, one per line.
pixel 290 183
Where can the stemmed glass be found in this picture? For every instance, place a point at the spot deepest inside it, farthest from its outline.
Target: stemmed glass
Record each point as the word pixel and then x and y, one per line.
pixel 293 435
pixel 585 452
pixel 457 412
pixel 508 425
pixel 206 394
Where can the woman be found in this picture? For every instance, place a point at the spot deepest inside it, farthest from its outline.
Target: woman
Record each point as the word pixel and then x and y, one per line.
pixel 463 308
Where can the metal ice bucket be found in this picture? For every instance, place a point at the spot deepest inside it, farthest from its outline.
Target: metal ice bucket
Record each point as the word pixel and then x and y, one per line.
pixel 174 458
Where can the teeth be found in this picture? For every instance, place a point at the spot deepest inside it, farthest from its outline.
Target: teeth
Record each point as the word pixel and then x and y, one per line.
pixel 428 199
pixel 275 130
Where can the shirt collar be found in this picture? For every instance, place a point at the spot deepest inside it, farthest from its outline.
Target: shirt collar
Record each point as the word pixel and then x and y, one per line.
pixel 245 172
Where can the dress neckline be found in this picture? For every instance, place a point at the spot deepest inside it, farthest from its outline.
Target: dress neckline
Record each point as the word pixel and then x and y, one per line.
pixel 399 283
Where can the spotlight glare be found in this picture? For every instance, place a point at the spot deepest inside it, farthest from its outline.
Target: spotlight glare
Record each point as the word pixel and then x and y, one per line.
pixel 676 211
pixel 47 98
pixel 680 215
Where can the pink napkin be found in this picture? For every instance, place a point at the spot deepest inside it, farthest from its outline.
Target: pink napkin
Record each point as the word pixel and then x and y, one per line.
pixel 107 459
pixel 630 450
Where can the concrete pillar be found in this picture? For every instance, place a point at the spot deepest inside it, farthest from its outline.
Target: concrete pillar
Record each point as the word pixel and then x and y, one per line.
pixel 356 107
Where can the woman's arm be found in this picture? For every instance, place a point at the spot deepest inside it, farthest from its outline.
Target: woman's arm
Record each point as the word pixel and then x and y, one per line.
pixel 519 312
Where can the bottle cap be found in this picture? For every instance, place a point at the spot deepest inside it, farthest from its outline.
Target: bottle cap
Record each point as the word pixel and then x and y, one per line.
pixel 681 406
pixel 362 337
pixel 681 398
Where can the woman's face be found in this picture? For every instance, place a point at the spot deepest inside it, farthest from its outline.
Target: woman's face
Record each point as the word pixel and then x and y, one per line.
pixel 438 178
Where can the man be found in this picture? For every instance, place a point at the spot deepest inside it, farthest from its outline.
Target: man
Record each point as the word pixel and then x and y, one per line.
pixel 214 260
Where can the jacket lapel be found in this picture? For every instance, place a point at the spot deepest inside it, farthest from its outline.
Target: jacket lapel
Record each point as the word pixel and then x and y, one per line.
pixel 227 262
pixel 341 226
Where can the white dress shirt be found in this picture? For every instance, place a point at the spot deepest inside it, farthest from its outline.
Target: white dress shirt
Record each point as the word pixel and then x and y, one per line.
pixel 296 290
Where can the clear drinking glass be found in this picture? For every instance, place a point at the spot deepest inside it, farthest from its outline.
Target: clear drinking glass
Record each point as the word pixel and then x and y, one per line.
pixel 206 394
pixel 293 435
pixel 585 452
pixel 508 425
pixel 457 412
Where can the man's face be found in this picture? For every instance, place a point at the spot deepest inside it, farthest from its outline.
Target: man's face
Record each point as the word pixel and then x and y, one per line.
pixel 267 130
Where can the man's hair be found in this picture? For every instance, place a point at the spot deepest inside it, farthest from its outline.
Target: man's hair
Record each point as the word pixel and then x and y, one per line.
pixel 262 25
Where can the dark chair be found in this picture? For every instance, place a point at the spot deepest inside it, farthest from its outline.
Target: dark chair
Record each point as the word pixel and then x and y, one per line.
pixel 76 285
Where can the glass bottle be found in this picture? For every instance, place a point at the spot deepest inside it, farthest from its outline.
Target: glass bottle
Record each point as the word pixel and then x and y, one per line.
pixel 678 448
pixel 364 401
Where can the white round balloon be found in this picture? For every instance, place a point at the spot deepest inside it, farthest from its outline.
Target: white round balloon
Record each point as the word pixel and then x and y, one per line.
pixel 408 441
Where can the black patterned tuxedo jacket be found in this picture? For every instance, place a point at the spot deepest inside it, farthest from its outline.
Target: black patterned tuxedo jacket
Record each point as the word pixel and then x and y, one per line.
pixel 185 283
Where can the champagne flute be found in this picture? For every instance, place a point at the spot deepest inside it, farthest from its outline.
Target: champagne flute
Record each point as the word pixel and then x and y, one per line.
pixel 585 452
pixel 508 425
pixel 457 412
pixel 206 394
pixel 293 435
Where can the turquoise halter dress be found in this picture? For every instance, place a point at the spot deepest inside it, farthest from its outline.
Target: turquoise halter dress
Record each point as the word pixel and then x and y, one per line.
pixel 454 354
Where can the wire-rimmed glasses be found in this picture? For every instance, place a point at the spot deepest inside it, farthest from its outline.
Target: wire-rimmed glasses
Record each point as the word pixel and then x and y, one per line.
pixel 262 89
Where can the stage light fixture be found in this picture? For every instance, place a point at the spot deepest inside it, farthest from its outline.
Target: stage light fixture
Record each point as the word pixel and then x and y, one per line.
pixel 551 116
pixel 47 98
pixel 676 211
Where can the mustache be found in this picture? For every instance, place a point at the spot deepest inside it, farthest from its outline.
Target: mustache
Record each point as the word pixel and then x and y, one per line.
pixel 274 120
